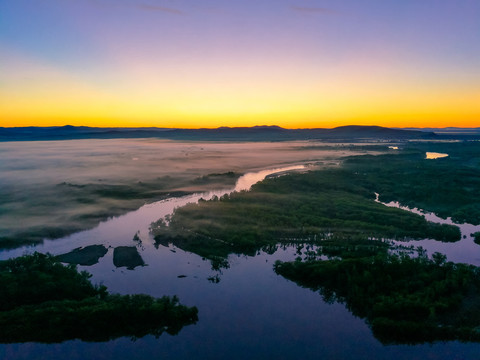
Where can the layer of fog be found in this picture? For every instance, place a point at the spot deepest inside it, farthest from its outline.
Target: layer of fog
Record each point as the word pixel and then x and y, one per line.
pixel 52 188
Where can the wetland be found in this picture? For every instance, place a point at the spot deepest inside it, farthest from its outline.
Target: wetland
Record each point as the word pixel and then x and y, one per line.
pixel 290 267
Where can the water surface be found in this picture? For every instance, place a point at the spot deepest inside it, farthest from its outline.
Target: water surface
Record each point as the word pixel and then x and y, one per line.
pixel 463 251
pixel 435 155
pixel 251 313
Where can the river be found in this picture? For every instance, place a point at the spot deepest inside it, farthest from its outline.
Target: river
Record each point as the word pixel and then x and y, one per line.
pixel 463 251
pixel 251 313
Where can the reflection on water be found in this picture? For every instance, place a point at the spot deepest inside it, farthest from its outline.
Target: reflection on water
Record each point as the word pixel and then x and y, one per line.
pixel 245 311
pixel 435 155
pixel 55 187
pixel 119 231
pixel 463 251
pixel 246 181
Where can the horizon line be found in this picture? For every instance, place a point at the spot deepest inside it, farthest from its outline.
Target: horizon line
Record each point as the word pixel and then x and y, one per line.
pixel 233 127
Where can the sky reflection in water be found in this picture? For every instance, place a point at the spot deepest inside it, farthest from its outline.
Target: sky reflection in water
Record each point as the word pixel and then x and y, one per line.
pixel 251 312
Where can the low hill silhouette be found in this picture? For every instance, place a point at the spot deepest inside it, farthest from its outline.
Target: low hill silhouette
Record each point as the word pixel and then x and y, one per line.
pixel 255 133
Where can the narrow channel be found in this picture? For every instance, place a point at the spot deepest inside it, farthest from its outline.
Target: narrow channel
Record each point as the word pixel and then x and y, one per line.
pixel 463 251
pixel 119 231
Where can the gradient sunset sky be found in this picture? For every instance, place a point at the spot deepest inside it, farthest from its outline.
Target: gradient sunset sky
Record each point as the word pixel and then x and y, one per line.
pixel 209 63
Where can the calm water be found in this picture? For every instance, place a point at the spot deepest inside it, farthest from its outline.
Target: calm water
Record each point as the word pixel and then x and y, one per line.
pixel 434 155
pixel 251 313
pixel 463 251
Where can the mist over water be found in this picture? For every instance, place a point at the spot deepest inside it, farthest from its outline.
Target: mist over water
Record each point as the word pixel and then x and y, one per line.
pixel 250 313
pixel 52 188
pixel 118 231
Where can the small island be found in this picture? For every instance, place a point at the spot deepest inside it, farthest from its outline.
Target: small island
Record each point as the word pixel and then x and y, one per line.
pixel 405 300
pixel 43 301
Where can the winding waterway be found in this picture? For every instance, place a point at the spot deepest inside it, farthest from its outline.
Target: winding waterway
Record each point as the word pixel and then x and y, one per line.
pixel 463 251
pixel 119 231
pixel 251 313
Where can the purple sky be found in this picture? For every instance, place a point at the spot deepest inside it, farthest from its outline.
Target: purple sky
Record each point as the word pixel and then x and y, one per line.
pixel 198 63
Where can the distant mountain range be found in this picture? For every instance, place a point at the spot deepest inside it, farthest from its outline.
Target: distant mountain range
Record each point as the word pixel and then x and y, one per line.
pixel 450 130
pixel 255 133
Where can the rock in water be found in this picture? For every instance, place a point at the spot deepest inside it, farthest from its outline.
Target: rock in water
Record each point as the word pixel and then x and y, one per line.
pixel 127 256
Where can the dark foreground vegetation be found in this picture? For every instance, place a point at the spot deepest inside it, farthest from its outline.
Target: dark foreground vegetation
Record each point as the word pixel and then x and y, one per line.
pixel 41 300
pixel 403 299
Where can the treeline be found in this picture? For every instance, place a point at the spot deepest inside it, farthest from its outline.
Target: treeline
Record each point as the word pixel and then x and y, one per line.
pixel 299 207
pixel 476 237
pixel 447 186
pixel 42 300
pixel 404 299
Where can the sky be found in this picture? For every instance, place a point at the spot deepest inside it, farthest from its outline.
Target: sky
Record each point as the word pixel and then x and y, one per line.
pixel 210 63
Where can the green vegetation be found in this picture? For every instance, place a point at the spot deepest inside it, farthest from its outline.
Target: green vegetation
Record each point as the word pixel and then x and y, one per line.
pixel 447 186
pixel 337 203
pixel 342 248
pixel 89 255
pixel 296 208
pixel 219 178
pixel 404 299
pixel 35 279
pixel 82 206
pixel 72 207
pixel 127 256
pixel 42 300
pixel 476 237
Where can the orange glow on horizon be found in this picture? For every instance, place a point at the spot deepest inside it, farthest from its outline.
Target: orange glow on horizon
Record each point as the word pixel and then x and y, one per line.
pixel 250 65
pixel 85 106
pixel 393 122
pixel 238 94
